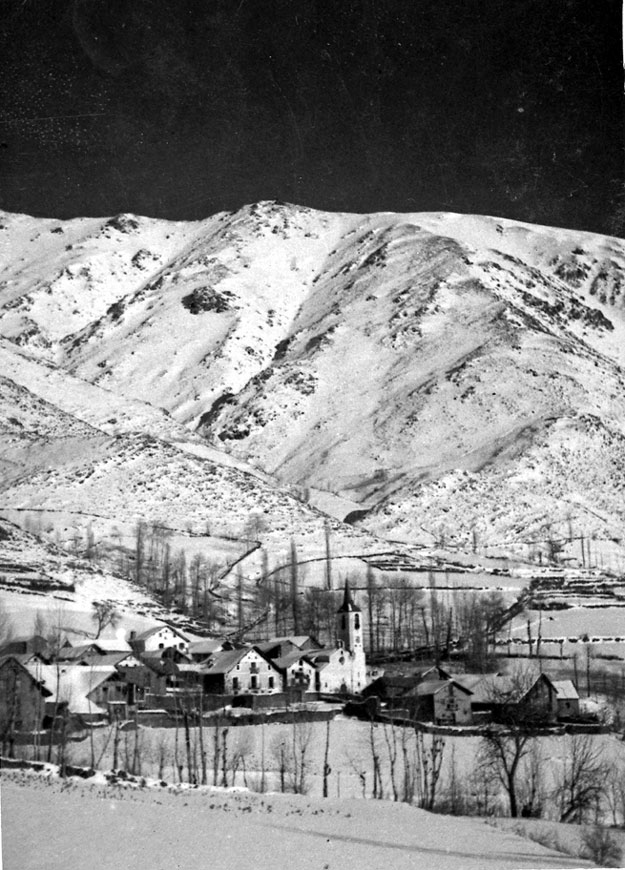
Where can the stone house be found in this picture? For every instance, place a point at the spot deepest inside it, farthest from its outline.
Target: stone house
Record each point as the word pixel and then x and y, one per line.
pixel 23 697
pixel 160 637
pixel 567 699
pixel 240 671
pixel 297 670
pixel 443 702
pixel 200 650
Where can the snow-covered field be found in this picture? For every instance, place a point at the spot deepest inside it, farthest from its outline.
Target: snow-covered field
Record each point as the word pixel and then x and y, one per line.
pixel 161 751
pixel 73 826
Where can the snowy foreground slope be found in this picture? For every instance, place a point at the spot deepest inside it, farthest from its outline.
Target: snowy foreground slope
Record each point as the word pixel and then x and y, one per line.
pixel 107 828
pixel 460 378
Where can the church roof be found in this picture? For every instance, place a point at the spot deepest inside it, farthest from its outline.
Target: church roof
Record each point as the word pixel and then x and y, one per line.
pixel 348 605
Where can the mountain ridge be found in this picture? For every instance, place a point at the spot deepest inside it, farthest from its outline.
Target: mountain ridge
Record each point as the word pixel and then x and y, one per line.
pixel 433 367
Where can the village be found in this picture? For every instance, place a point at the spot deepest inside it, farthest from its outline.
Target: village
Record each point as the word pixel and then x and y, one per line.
pixel 156 677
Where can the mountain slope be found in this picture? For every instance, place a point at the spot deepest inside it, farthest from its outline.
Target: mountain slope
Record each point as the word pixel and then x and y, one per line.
pixel 460 375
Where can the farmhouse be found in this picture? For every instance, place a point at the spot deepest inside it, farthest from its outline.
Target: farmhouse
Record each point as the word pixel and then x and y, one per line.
pixel 567 698
pixel 35 647
pixel 200 650
pixel 231 672
pixel 159 637
pixel 297 671
pixel 23 698
pixel 443 702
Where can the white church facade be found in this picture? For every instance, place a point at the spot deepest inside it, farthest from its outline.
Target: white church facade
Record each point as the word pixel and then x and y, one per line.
pixel 343 668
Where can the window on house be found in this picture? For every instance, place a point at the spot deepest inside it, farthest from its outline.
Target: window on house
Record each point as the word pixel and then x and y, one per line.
pixel 271 682
pixel 235 684
pixel 357 621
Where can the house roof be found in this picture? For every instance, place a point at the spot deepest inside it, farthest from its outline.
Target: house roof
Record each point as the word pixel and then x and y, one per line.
pixel 489 688
pixel 565 690
pixel 160 666
pixel 298 640
pixel 22 658
pixel 222 662
pixel 112 644
pixel 122 659
pixel 34 669
pixel 433 687
pixel 99 647
pixel 396 685
pixel 71 653
pixel 320 657
pixel 72 684
pixel 292 658
pixel 156 628
pixel 206 646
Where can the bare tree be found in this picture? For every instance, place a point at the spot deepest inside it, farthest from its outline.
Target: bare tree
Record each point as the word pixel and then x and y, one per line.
pixel 430 755
pixel 390 739
pixel 239 758
pixel 582 780
pixel 506 744
pixel 103 614
pixel 301 736
pixel 378 785
pixel 500 757
pixel 140 535
pixel 294 587
pixel 327 770
pixel 279 752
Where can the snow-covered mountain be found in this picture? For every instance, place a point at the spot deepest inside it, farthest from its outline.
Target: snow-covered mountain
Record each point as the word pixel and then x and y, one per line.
pixel 459 378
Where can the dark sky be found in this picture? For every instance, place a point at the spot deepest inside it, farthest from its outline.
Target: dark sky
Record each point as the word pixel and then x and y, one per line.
pixel 180 108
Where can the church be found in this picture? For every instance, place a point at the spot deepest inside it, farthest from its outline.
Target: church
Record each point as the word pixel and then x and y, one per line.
pixel 343 668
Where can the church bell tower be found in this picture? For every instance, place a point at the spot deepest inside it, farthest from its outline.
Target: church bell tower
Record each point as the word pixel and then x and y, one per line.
pixel 349 628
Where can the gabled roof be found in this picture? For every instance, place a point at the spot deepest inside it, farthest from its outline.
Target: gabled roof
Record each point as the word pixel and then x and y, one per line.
pixel 113 645
pixel 398 685
pixel 292 658
pixel 72 653
pixel 35 670
pixel 22 658
pixel 565 690
pixel 156 628
pixel 99 647
pixel 297 640
pixel 206 646
pixel 72 684
pixel 120 659
pixel 473 681
pixel 321 656
pixel 224 661
pixel 348 605
pixel 433 687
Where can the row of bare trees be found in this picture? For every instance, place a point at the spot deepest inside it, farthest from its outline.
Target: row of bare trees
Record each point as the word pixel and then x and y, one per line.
pixel 401 615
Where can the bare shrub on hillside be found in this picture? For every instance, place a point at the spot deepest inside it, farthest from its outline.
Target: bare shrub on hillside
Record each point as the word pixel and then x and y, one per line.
pixel 601 847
